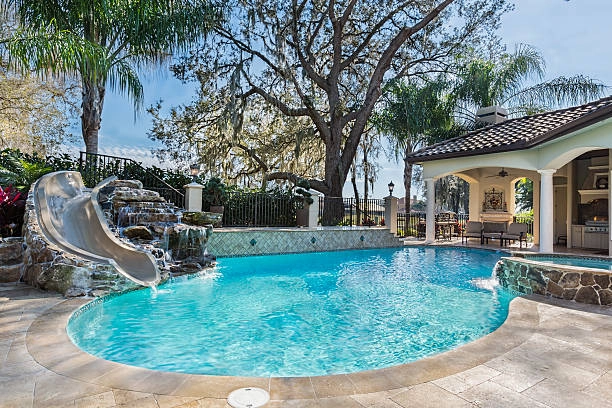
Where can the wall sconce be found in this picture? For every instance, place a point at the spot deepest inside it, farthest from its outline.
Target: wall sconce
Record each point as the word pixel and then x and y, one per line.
pixel 194 170
pixel 391 187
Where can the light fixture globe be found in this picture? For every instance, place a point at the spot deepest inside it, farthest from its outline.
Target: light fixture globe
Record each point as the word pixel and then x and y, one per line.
pixel 194 170
pixel 391 187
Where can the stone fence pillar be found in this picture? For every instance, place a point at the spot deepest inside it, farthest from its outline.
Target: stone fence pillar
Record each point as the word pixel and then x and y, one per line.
pixel 313 211
pixel 193 197
pixel 391 213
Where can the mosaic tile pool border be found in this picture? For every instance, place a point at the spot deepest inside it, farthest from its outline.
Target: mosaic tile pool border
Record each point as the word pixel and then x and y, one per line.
pixel 233 243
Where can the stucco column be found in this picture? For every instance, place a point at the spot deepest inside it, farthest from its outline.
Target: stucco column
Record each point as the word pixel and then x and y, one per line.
pixel 313 211
pixel 546 210
pixel 193 197
pixel 511 197
pixel 609 202
pixel 391 213
pixel 536 210
pixel 475 203
pixel 430 226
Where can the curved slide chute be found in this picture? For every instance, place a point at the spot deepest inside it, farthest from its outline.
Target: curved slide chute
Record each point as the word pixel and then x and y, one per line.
pixel 71 218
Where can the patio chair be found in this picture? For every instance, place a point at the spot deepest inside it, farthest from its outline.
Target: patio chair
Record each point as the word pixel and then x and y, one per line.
pixel 473 229
pixel 493 230
pixel 516 231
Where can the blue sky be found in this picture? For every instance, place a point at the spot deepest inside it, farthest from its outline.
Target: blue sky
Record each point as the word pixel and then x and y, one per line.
pixel 573 38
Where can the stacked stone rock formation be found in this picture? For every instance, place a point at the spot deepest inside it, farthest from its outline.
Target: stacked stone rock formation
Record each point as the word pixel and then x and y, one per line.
pixel 155 228
pixel 11 259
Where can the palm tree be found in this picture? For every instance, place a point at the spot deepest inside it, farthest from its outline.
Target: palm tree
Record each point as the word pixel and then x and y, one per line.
pixel 417 114
pixel 514 81
pixel 104 42
pixel 414 115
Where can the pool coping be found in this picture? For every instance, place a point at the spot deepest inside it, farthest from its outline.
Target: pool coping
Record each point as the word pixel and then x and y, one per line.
pixel 48 343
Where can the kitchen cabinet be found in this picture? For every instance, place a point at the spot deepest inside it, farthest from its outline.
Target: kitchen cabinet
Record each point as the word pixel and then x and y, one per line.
pixel 585 239
pixel 596 240
pixel 577 236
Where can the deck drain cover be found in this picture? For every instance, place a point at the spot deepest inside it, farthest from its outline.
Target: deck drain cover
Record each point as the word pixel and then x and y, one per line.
pixel 248 398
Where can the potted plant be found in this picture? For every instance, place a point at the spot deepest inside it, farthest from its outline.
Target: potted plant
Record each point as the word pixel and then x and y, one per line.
pixel 215 193
pixel 305 199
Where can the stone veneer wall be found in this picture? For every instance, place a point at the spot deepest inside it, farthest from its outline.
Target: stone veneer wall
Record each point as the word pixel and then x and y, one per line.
pixel 584 285
pixel 243 242
pixel 11 259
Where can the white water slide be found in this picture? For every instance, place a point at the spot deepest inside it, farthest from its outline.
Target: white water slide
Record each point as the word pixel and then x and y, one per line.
pixel 70 217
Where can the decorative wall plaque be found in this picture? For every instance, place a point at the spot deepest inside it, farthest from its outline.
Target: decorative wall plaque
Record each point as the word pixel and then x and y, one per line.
pixel 493 200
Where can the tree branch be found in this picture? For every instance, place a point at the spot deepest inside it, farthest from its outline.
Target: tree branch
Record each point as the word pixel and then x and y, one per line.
pixel 308 68
pixel 317 185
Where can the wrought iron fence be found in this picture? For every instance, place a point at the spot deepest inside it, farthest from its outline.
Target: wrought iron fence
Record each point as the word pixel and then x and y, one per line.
pixel 96 167
pixel 259 209
pixel 525 219
pixel 350 212
pixel 412 224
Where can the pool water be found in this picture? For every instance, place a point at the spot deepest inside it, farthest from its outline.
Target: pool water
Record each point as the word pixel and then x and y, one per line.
pixel 605 264
pixel 302 314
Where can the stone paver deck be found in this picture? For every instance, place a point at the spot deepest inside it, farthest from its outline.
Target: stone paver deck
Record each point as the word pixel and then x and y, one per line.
pixel 546 354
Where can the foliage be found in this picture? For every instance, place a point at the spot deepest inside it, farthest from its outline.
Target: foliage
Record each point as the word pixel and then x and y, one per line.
pixel 513 80
pixel 416 114
pixel 17 171
pixel 324 62
pixel 268 141
pixel 452 194
pixel 35 113
pixel 214 192
pixel 302 190
pixel 524 195
pixel 12 208
pixel 103 42
pixel 418 206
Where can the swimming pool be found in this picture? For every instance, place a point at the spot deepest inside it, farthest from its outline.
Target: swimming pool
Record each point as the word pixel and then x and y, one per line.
pixel 597 263
pixel 303 314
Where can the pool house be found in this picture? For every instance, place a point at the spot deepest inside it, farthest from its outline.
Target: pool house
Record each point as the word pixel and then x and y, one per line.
pixel 567 153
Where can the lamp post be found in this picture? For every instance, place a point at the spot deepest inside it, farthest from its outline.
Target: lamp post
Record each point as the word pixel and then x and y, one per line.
pixel 194 170
pixel 391 210
pixel 391 187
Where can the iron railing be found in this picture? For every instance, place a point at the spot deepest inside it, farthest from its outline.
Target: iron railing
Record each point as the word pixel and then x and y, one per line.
pixel 412 224
pixel 96 167
pixel 350 212
pixel 259 209
pixel 527 219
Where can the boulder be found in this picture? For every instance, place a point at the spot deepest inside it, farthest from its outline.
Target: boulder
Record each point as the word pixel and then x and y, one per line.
pixel 132 195
pixel 201 218
pixel 138 232
pixel 11 250
pixel 136 184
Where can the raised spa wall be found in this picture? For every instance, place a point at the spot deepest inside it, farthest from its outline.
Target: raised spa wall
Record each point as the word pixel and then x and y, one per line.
pixel 583 285
pixel 245 242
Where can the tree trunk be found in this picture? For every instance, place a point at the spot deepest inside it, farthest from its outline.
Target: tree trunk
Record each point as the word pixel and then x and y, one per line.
pixel 407 179
pixel 335 176
pixel 356 192
pixel 93 101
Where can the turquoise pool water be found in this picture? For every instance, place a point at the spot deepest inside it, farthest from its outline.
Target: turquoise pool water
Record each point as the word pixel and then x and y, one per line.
pixel 596 263
pixel 302 315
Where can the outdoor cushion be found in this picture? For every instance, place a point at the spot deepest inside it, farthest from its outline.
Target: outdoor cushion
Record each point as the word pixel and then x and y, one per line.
pixel 473 229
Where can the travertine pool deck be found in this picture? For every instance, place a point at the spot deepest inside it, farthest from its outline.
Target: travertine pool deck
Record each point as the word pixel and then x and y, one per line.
pixel 546 354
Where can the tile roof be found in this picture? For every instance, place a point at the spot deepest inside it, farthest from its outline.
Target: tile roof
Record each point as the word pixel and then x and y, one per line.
pixel 518 134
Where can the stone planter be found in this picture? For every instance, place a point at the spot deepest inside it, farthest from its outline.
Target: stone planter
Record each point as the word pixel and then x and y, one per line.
pixel 219 210
pixel 302 216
